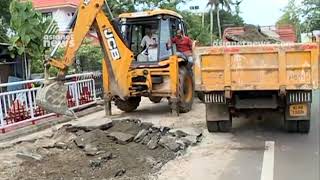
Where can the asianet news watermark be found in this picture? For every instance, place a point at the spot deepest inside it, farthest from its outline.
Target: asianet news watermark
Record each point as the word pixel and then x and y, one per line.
pixel 251 43
pixel 53 36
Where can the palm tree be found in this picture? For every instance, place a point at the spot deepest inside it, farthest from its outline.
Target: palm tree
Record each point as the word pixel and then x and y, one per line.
pixel 216 5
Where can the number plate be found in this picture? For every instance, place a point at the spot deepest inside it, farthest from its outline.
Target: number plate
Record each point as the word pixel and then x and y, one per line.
pixel 298 110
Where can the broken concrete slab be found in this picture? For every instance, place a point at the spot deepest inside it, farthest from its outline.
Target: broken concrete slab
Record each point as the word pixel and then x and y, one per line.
pixel 164 130
pixel 80 132
pixel 153 143
pixel 190 140
pixel 106 156
pixel 26 155
pixel 121 138
pixel 60 145
pixel 170 143
pixel 90 150
pixel 139 137
pixel 146 139
pixel 183 132
pixel 120 173
pixel 95 163
pixel 183 146
pixel 146 125
pixel 63 136
pixel 89 138
pixel 104 124
pixel 45 143
pixel 137 121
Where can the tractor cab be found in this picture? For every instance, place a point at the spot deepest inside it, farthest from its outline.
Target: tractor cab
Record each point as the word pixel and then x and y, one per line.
pixel 148 34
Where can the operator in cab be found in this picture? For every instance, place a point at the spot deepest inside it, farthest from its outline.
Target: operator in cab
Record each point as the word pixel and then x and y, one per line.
pixel 149 40
pixel 150 45
pixel 184 45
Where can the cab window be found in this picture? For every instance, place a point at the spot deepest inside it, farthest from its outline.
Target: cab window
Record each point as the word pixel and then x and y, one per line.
pixel 165 36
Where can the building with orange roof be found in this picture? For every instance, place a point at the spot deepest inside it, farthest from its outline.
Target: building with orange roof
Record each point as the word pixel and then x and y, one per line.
pixel 60 10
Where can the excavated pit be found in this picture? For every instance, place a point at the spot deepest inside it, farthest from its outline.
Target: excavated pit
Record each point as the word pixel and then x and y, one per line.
pixel 126 149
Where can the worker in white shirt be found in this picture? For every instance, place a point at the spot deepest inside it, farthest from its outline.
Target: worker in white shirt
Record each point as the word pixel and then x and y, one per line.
pixel 150 43
pixel 150 39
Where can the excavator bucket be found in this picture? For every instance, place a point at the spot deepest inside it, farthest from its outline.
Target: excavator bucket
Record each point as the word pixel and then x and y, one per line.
pixel 53 98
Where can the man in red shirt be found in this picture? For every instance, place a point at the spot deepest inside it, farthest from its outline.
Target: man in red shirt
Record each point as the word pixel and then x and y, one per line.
pixel 183 44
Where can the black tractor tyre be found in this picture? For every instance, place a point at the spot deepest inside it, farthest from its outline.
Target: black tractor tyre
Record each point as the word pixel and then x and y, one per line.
pixel 155 99
pixel 128 105
pixel 186 90
pixel 304 126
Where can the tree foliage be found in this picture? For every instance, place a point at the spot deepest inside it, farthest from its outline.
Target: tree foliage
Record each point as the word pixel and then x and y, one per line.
pixel 216 5
pixel 120 6
pixel 196 30
pixel 4 19
pixel 304 17
pixel 89 57
pixel 311 13
pixel 29 28
pixel 227 19
pixel 291 17
pixel 164 4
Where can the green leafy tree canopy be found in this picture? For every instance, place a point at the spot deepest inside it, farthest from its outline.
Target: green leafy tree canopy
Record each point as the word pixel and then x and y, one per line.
pixel 29 28
pixel 311 13
pixel 4 20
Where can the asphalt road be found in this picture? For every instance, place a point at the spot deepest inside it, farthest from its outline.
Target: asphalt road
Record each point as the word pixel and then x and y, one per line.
pixel 295 156
pixel 241 154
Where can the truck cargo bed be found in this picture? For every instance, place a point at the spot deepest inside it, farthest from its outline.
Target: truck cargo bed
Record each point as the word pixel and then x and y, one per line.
pixel 261 67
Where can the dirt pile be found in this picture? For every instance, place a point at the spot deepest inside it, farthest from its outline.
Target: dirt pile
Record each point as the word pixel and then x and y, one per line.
pixel 251 34
pixel 126 149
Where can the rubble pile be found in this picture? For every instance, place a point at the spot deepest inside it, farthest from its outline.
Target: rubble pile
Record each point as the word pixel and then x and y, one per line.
pixel 107 150
pixel 252 34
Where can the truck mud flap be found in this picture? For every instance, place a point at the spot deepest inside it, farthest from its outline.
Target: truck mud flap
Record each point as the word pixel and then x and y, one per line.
pixel 217 112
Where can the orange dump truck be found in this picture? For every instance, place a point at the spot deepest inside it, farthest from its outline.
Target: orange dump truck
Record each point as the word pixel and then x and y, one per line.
pixel 242 79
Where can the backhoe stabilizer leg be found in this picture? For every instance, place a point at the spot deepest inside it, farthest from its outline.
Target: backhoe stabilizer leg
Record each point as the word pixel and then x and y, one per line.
pixel 107 105
pixel 174 107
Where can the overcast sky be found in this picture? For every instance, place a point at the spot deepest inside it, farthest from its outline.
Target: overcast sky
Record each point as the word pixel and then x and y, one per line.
pixel 262 12
pixel 257 12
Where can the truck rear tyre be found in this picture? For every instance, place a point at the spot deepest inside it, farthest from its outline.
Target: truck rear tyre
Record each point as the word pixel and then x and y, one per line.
pixel 291 126
pixel 155 99
pixel 304 126
pixel 213 126
pixel 219 126
pixel 128 105
pixel 225 126
pixel 301 126
pixel 186 90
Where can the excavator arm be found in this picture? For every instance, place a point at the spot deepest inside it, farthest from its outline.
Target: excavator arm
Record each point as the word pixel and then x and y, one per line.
pixel 116 63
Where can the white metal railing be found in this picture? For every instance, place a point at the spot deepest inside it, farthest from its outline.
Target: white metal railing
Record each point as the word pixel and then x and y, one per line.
pixel 19 106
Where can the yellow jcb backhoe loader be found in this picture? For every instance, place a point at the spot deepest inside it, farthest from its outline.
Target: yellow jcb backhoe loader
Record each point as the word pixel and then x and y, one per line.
pixel 129 71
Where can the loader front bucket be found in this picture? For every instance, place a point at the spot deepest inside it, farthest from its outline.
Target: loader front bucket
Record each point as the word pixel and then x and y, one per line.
pixel 53 98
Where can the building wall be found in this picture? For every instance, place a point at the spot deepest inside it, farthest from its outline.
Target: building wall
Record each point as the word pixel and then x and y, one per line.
pixel 61 15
